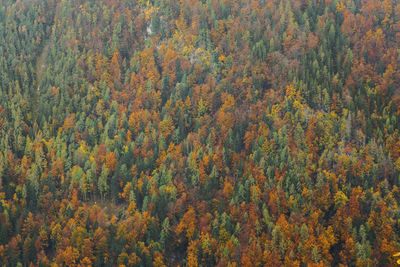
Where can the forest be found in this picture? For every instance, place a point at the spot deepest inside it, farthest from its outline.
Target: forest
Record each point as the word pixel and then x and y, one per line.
pixel 199 132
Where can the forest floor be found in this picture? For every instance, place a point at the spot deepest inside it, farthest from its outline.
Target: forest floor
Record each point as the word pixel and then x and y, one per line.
pixel 41 64
pixel 108 207
pixel 40 72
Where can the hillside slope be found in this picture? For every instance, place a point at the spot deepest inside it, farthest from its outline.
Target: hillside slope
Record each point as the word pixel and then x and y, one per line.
pixel 199 133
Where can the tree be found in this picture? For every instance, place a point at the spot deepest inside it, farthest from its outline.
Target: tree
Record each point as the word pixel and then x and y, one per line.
pixel 103 181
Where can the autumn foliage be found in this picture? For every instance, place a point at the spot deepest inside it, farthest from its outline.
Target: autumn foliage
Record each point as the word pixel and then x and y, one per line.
pixel 199 133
